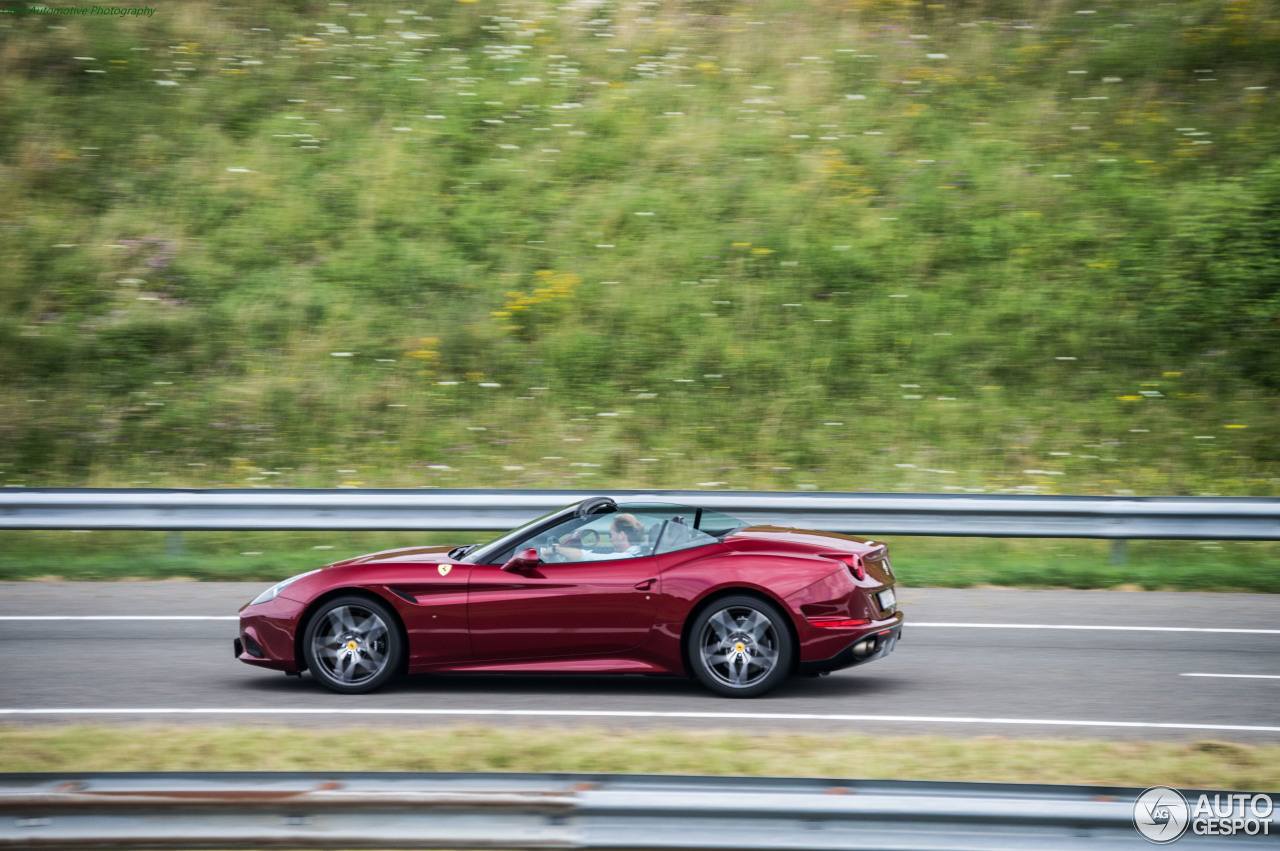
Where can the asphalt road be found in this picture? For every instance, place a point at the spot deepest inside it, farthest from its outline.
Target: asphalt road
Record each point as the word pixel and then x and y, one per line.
pixel 960 670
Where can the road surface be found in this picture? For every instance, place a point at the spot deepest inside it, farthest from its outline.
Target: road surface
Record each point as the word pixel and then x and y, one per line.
pixel 1014 663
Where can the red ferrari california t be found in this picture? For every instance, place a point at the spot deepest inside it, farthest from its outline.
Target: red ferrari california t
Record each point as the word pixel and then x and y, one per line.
pixel 597 587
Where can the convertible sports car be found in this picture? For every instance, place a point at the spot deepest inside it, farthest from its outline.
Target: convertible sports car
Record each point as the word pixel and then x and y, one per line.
pixel 596 587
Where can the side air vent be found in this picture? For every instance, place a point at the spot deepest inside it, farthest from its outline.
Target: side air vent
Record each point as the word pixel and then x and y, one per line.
pixel 403 595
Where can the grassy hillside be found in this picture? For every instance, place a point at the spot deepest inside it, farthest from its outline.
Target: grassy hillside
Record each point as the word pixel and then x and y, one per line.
pixel 1000 246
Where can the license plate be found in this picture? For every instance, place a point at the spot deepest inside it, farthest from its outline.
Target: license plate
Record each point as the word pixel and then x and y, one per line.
pixel 886 598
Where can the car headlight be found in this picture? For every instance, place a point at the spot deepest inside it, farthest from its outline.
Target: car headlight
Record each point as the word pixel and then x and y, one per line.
pixel 274 591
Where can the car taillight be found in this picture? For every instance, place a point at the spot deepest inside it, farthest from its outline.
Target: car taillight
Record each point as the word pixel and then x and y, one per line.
pixel 856 567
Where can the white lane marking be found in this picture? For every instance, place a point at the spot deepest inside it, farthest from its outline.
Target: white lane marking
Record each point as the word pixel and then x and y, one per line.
pixel 119 617
pixel 589 713
pixel 1237 676
pixel 1101 628
pixel 913 624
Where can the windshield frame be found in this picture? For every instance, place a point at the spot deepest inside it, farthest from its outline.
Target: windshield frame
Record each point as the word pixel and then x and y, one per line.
pixel 498 544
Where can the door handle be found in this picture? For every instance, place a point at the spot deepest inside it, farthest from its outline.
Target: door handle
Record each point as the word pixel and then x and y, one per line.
pixel 645 585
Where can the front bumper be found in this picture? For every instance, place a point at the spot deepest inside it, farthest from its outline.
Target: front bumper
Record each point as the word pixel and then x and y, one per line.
pixel 869 646
pixel 267 635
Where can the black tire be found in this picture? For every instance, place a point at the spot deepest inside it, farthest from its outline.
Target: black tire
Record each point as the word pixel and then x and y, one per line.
pixel 352 645
pixel 740 646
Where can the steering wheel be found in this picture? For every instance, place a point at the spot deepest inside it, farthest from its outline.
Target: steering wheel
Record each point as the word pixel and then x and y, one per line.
pixel 595 538
pixel 549 552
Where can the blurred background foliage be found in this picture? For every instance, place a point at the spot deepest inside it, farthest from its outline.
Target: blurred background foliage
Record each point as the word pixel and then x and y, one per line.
pixel 995 246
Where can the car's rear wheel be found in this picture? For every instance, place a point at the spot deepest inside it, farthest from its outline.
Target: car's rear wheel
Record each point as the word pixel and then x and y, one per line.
pixel 739 647
pixel 352 645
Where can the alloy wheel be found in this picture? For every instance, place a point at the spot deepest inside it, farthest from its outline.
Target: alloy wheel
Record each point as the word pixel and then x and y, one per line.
pixel 739 647
pixel 352 645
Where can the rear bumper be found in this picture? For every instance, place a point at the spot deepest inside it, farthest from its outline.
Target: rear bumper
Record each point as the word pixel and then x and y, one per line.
pixel 869 646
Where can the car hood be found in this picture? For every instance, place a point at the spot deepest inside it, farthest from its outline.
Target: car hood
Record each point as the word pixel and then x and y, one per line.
pixel 365 570
pixel 429 555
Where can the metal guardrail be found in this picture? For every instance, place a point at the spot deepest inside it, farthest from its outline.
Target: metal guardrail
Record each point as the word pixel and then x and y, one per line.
pixel 530 811
pixel 1117 518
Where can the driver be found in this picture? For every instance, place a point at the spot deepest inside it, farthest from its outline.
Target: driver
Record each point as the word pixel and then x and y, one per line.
pixel 625 532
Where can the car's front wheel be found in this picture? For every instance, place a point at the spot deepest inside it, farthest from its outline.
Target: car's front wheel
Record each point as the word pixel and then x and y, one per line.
pixel 740 647
pixel 352 645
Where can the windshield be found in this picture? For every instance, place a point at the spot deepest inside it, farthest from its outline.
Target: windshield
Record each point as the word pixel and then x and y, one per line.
pixel 688 527
pixel 477 555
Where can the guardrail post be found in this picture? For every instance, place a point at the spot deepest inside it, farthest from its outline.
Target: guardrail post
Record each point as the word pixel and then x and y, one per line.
pixel 1119 552
pixel 174 546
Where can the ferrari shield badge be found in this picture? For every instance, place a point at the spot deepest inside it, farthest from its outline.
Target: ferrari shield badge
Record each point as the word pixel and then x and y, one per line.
pixel 445 568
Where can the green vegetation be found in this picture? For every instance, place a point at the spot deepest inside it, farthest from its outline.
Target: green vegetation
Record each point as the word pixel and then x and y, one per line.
pixel 1086 564
pixel 960 246
pixel 446 748
pixel 919 562
pixel 223 556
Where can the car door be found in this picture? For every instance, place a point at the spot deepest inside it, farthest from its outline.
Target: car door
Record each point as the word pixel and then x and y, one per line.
pixel 600 605
pixel 556 610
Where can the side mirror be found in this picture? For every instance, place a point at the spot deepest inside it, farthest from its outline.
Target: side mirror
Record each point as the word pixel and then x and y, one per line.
pixel 523 560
